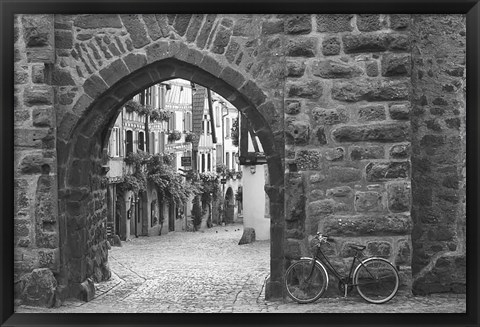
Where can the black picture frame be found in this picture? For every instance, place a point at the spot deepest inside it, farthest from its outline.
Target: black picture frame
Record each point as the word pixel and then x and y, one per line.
pixel 10 7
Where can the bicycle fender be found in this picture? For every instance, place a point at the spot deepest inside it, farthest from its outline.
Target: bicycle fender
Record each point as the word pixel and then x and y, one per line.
pixel 321 265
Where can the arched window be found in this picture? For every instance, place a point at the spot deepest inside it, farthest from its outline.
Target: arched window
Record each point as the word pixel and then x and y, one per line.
pixel 203 162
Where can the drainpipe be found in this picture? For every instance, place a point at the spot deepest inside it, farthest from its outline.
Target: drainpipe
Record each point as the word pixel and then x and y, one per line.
pixel 136 215
pixel 223 150
pixel 223 132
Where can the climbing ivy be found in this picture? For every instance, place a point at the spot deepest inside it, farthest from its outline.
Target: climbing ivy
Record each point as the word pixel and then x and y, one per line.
pixel 228 173
pixel 210 185
pixel 190 137
pixel 158 170
pixel 160 115
pixel 174 136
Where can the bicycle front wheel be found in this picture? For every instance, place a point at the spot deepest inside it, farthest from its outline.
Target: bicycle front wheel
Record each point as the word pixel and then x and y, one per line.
pixel 376 280
pixel 305 281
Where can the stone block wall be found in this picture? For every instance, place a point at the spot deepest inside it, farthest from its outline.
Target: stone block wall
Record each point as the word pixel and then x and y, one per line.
pixel 438 139
pixel 36 224
pixel 348 135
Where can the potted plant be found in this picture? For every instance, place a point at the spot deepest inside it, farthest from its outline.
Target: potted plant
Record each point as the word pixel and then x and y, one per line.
pixel 174 136
pixel 190 137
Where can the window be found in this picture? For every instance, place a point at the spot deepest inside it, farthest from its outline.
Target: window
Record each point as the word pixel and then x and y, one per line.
pixel 155 96
pixel 161 142
pixel 203 162
pixel 153 213
pixel 218 115
pixel 152 143
pixel 188 124
pixel 219 154
pixel 171 122
pixel 148 96
pixel 227 160
pixel 207 121
pixel 114 144
pixel 209 162
pixel 129 142
pixel 205 124
pixel 141 141
pixel 227 127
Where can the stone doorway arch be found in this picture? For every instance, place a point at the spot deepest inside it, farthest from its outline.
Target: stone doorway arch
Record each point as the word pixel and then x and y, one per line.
pixel 83 248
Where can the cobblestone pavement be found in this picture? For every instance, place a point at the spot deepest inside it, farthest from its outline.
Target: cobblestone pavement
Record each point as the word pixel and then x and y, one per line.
pixel 209 272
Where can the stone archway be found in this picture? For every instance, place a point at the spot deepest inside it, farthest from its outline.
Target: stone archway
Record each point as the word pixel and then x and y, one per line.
pixel 357 134
pixel 80 161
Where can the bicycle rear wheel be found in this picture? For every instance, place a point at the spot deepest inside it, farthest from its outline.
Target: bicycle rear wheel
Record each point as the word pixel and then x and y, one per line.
pixel 305 281
pixel 377 280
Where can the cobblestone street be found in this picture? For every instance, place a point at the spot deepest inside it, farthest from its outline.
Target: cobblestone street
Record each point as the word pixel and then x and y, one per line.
pixel 208 272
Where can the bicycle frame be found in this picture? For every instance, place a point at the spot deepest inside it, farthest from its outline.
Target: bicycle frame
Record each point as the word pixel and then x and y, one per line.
pixel 345 280
pixel 308 279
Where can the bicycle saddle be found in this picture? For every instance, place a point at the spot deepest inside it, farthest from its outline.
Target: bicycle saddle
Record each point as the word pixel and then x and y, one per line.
pixel 357 247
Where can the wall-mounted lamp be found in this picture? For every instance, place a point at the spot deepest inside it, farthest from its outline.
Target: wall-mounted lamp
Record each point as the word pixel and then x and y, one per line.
pixel 253 169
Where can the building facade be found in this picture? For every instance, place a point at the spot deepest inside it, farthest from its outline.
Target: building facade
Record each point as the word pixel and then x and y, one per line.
pixel 256 213
pixel 147 214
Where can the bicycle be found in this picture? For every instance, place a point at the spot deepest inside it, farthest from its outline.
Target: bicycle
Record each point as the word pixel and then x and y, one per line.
pixel 375 278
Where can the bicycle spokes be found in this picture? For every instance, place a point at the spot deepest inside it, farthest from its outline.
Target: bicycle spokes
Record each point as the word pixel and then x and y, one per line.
pixel 377 281
pixel 305 281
